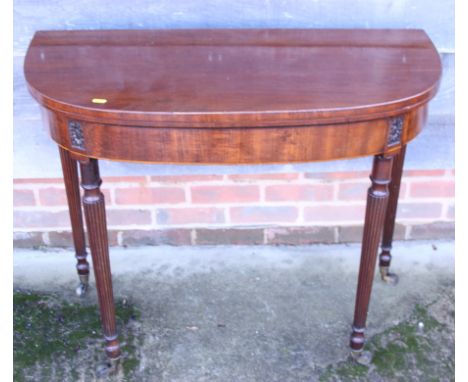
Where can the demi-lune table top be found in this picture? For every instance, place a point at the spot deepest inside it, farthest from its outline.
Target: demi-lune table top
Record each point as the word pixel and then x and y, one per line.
pixel 255 77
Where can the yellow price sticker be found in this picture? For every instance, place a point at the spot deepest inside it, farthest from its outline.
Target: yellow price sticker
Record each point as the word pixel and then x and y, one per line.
pixel 99 100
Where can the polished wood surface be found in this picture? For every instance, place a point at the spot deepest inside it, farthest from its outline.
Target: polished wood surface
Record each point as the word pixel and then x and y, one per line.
pixel 377 200
pixel 95 213
pixel 194 91
pixel 235 145
pixel 72 188
pixel 390 216
pixel 233 97
pixel 195 78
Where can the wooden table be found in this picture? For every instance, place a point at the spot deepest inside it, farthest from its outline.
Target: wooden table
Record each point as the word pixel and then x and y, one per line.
pixel 232 97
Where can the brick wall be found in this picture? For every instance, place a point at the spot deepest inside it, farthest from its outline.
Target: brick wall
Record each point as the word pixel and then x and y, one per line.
pixel 278 208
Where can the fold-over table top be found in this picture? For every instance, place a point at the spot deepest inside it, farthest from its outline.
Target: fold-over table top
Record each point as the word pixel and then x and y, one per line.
pixel 232 78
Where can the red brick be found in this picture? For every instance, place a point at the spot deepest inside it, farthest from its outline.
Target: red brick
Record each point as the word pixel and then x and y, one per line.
pixel 52 196
pixel 230 236
pixel 225 194
pixel 419 210
pixel 61 239
pixel 338 213
pixel 64 238
pixel 27 239
pixel 353 233
pixel 185 178
pixel 124 179
pixel 338 175
pixel 255 177
pixel 55 196
pixel 293 192
pixel 107 196
pixel 149 195
pixel 157 237
pixel 433 189
pixel 263 214
pixel 416 173
pixel 23 198
pixel 353 191
pixel 300 235
pixel 38 180
pixel 433 231
pixel 358 191
pixel 171 216
pixel 128 217
pixel 40 219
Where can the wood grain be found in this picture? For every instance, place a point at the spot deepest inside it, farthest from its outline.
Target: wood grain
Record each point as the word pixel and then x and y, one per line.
pixel 390 216
pixel 232 78
pixel 235 145
pixel 70 178
pixel 95 213
pixel 377 199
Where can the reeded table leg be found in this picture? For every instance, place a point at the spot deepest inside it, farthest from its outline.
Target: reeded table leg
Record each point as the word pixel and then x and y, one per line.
pixel 70 177
pixel 389 225
pixel 377 198
pixel 94 208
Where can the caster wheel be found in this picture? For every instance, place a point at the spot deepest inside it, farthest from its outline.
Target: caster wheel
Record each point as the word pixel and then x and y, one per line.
pixel 81 289
pixel 387 277
pixel 83 286
pixel 362 357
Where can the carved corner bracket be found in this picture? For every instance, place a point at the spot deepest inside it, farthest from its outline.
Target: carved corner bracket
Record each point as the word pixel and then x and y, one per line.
pixel 395 131
pixel 75 132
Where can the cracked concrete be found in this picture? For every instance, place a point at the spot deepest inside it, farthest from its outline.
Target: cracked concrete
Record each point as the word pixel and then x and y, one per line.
pixel 235 313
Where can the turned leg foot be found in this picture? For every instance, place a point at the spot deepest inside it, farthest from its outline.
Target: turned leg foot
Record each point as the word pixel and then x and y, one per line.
pixel 362 357
pixel 70 177
pixel 83 286
pixel 358 354
pixel 388 277
pixel 377 198
pixel 384 266
pixel 95 213
pixel 385 257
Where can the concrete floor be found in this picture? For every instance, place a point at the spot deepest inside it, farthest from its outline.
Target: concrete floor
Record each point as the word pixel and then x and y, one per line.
pixel 249 313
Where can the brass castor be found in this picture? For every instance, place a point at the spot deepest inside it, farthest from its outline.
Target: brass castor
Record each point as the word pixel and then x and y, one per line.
pixel 362 357
pixel 83 286
pixel 388 277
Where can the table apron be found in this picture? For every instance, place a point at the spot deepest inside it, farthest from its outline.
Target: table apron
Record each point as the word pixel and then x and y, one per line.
pixel 247 145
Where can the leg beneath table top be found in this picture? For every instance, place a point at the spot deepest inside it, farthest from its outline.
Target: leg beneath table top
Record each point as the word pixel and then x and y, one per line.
pixel 70 177
pixel 94 207
pixel 377 198
pixel 389 225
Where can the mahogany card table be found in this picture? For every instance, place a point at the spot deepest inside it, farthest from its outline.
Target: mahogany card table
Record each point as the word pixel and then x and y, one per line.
pixel 228 96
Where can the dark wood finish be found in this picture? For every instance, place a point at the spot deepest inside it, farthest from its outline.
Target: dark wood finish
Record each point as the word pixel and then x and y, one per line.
pixel 95 213
pixel 377 198
pixel 232 78
pixel 233 97
pixel 236 145
pixel 207 96
pixel 390 216
pixel 70 178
